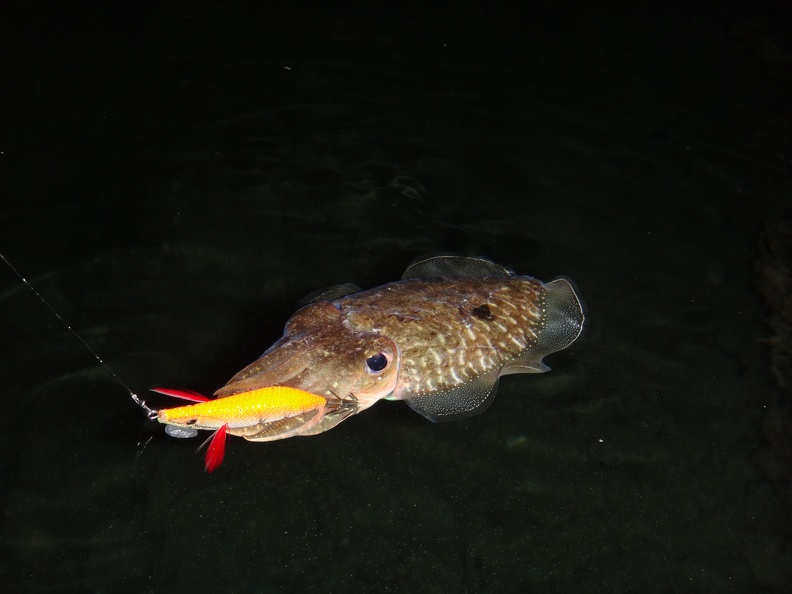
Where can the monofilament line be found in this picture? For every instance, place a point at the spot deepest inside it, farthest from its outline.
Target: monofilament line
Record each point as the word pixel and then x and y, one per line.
pixel 151 413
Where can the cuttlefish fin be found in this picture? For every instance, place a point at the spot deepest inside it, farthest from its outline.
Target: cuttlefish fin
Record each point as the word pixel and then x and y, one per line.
pixel 449 265
pixel 329 293
pixel 562 323
pixel 566 313
pixel 462 401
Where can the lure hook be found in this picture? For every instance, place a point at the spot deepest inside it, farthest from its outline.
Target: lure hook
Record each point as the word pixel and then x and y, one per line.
pixel 150 412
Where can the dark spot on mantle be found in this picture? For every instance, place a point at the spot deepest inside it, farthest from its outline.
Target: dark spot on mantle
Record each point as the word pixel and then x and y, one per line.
pixel 483 312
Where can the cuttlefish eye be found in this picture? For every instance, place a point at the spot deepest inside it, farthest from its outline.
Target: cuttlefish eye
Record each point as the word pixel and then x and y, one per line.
pixel 376 363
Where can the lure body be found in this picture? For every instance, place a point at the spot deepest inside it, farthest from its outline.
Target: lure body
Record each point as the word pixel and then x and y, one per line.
pixel 263 414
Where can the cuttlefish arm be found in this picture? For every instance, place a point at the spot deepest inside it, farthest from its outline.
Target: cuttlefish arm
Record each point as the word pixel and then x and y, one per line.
pixel 318 354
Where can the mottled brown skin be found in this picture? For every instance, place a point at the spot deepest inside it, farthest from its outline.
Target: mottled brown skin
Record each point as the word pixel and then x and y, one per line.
pixel 449 329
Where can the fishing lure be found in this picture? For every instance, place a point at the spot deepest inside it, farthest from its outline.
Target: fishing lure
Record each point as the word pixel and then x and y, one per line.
pixel 263 414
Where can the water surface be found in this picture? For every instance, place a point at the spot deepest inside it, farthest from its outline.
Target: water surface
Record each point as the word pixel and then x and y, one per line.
pixel 174 180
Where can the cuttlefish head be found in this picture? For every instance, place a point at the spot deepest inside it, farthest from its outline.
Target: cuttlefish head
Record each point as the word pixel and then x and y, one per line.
pixel 318 354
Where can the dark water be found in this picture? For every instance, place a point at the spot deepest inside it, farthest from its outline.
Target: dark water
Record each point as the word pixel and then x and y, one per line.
pixel 174 179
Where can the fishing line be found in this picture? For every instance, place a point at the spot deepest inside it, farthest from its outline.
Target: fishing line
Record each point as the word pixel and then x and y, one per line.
pixel 152 414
